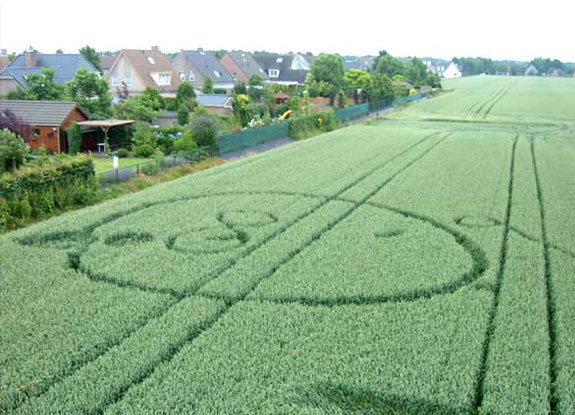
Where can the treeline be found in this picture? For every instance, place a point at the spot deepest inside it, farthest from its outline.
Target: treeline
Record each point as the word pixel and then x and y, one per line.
pixel 544 67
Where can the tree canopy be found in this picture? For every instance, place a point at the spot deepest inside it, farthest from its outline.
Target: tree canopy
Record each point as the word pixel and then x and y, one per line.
pixel 92 56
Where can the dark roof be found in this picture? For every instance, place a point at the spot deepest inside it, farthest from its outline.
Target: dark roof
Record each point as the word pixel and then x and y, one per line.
pixel 209 65
pixel 248 65
pixel 41 112
pixel 214 100
pixel 363 63
pixel 286 65
pixel 64 65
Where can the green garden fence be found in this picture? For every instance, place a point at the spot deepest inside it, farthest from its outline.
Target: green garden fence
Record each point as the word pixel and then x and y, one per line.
pixel 255 136
pixel 252 137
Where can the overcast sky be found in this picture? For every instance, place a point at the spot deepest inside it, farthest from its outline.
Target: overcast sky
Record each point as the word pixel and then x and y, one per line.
pixel 499 29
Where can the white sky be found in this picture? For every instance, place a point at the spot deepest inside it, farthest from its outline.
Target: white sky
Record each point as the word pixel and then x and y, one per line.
pixel 499 29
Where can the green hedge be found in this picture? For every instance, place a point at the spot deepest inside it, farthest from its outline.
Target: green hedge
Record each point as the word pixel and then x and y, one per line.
pixel 39 189
pixel 310 125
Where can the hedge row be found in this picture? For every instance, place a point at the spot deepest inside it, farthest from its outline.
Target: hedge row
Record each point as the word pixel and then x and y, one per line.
pixel 42 187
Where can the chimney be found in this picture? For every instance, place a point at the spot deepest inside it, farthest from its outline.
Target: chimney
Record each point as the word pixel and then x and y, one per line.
pixel 200 49
pixel 31 56
pixel 3 52
pixel 155 48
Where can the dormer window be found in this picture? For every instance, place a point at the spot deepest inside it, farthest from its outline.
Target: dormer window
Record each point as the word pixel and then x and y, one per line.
pixel 151 60
pixel 164 79
pixel 274 73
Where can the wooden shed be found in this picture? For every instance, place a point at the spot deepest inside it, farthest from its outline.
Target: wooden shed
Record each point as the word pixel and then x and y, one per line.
pixel 44 123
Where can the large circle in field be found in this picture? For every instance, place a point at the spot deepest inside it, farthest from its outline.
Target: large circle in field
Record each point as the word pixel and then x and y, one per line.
pixel 376 255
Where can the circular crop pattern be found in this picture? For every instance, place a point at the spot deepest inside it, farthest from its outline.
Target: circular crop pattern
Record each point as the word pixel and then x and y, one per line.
pixel 376 254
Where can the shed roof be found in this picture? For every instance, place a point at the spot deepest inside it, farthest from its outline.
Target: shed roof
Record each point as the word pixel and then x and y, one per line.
pixel 214 100
pixel 50 113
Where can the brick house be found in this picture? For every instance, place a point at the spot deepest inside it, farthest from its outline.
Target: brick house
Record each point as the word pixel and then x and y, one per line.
pixel 44 123
pixel 242 66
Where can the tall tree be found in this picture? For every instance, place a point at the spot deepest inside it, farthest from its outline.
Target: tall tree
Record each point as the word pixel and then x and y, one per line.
pixel 90 91
pixel 357 84
pixel 328 69
pixel 390 66
pixel 92 56
pixel 186 95
pixel 380 87
pixel 41 87
pixel 208 85
pixel 416 72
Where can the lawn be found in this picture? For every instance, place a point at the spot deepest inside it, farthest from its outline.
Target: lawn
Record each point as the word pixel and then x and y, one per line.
pixel 420 264
pixel 103 164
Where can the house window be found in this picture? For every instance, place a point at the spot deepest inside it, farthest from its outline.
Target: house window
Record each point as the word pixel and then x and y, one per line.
pixel 115 79
pixel 164 79
pixel 36 132
pixel 218 75
pixel 192 77
pixel 274 73
pixel 127 76
pixel 151 60
pixel 50 135
pixel 182 76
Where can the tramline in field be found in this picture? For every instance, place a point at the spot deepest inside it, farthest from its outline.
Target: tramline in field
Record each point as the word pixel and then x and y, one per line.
pixel 412 266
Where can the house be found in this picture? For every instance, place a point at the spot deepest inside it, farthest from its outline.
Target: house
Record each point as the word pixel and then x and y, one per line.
pixel 242 66
pixel 106 62
pixel 363 63
pixel 31 62
pixel 4 59
pixel 531 71
pixel 284 69
pixel 452 71
pixel 136 69
pixel 216 103
pixel 195 65
pixel 44 123
pixel 436 66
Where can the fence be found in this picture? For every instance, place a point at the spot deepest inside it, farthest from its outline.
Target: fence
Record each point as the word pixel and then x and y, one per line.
pixel 149 168
pixel 252 137
pixel 255 136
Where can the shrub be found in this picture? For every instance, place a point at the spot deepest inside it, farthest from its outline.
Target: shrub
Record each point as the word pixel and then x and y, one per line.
pixel 13 151
pixel 123 152
pixel 40 188
pixel 144 140
pixel 74 134
pixel 310 125
pixel 204 131
pixel 185 143
pixel 183 114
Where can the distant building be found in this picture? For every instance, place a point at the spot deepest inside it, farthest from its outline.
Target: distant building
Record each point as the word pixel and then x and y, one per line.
pixel 363 63
pixel 135 69
pixel 452 71
pixel 216 103
pixel 242 66
pixel 284 69
pixel 436 66
pixel 195 65
pixel 31 62
pixel 531 71
pixel 44 123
